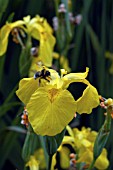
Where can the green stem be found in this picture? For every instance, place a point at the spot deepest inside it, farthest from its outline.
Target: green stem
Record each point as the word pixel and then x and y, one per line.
pixel 49 162
pixel 108 119
pixel 92 165
pixel 44 147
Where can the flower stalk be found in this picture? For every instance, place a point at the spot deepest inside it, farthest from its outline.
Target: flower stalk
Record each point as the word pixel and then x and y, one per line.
pixel 92 165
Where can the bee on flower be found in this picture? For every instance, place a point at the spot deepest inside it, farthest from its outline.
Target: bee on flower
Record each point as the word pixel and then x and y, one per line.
pixel 51 106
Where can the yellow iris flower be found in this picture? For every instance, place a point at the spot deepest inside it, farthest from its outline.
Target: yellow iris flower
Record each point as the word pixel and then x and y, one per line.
pixel 39 155
pixel 64 155
pixel 64 63
pixel 37 160
pixel 82 142
pixel 33 163
pixel 39 29
pixel 50 105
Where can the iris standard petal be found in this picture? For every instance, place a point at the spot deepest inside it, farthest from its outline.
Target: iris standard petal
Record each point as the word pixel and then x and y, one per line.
pixel 50 110
pixel 71 76
pixel 102 161
pixel 47 42
pixel 74 77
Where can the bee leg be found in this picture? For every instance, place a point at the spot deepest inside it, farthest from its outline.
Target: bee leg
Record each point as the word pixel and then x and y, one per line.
pixel 39 82
pixel 48 79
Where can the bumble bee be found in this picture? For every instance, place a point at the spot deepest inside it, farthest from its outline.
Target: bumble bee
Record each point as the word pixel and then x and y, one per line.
pixel 43 74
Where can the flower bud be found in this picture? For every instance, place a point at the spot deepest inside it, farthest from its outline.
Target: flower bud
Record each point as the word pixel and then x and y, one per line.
pixel 62 8
pixel 108 102
pixel 34 51
pixel 78 19
pixel 55 23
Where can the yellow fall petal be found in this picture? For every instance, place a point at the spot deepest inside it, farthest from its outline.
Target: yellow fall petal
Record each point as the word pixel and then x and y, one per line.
pixel 4 33
pixel 33 163
pixel 86 156
pixel 102 161
pixel 53 162
pixel 70 131
pixel 50 110
pixel 64 158
pixel 68 140
pixel 39 155
pixel 92 136
pixel 88 101
pixel 27 87
pixel 86 143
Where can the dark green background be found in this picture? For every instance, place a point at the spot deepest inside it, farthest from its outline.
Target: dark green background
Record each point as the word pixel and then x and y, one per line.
pixel 92 38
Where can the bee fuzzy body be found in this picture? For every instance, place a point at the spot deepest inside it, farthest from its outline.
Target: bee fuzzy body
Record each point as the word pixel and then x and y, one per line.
pixel 43 74
pixel 37 75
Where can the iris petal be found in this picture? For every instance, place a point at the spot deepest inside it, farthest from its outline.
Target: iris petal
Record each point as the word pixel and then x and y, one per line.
pixel 27 87
pixel 50 110
pixel 88 101
pixel 4 34
pixel 74 77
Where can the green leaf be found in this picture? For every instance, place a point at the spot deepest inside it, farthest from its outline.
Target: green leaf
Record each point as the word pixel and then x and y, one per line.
pixel 3 6
pixel 68 25
pixel 2 62
pixel 10 17
pixel 25 60
pixel 17 160
pixel 94 39
pixel 30 144
pixel 17 129
pixel 53 142
pixel 8 144
pixel 102 136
